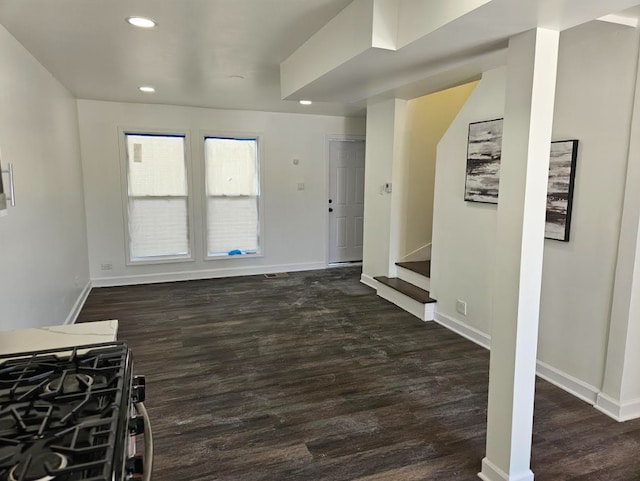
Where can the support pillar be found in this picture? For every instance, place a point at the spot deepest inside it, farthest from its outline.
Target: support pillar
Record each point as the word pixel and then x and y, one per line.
pixel 384 164
pixel 529 103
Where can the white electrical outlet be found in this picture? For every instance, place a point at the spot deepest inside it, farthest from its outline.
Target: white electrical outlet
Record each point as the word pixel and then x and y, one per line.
pixel 461 307
pixel 106 267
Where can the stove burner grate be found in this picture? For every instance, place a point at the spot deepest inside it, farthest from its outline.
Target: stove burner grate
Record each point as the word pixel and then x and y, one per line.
pixel 64 414
pixel 38 468
pixel 69 383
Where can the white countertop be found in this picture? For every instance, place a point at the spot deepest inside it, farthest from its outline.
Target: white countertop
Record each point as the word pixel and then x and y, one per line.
pixel 55 337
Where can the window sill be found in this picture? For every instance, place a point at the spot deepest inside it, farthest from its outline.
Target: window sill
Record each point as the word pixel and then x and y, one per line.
pixel 159 260
pixel 237 256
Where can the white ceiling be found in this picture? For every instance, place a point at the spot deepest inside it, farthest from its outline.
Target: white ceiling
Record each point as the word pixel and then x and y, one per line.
pixel 190 57
pixel 199 47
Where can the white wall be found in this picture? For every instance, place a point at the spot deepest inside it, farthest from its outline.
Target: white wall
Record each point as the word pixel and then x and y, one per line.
pixel 295 222
pixel 43 248
pixel 621 386
pixel 464 233
pixel 593 104
pixel 428 118
pixel 594 101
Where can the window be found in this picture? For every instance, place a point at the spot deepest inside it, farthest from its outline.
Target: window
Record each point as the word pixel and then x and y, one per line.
pixel 157 197
pixel 232 191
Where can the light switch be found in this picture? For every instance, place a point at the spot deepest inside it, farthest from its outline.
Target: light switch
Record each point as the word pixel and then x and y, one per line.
pixel 300 185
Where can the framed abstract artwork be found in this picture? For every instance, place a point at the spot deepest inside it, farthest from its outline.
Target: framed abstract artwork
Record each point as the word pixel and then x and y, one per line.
pixel 484 151
pixel 3 196
pixel 562 172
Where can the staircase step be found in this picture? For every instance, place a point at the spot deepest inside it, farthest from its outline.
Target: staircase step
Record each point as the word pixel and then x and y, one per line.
pixel 416 273
pixel 421 267
pixel 406 288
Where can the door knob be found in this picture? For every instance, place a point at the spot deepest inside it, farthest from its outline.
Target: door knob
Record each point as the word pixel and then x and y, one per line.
pixel 330 209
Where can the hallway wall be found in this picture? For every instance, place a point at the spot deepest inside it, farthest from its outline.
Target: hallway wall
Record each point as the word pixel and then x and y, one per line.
pixel 593 104
pixel 427 120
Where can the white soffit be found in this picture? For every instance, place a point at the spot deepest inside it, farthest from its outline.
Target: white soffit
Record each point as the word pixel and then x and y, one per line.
pixel 438 44
pixel 620 20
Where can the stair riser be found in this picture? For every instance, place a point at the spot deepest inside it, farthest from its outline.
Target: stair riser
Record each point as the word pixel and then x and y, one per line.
pixel 424 312
pixel 414 278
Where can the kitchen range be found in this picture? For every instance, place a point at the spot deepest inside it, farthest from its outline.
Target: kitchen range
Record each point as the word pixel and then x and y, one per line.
pixel 73 413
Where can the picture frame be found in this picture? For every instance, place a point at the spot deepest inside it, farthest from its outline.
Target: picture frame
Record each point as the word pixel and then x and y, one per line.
pixel 484 153
pixel 562 173
pixel 3 196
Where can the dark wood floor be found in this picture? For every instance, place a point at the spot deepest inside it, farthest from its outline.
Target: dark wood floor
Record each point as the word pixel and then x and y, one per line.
pixel 312 377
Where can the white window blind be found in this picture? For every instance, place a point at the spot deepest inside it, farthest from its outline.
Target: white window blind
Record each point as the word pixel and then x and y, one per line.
pixel 157 197
pixel 232 184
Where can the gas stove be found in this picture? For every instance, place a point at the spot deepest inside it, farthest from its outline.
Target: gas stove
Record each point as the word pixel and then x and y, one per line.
pixel 72 414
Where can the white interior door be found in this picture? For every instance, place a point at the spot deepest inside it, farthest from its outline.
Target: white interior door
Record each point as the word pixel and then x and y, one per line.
pixel 346 200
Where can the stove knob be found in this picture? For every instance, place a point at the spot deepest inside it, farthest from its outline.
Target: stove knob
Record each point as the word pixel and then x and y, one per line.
pixel 138 389
pixel 136 425
pixel 135 468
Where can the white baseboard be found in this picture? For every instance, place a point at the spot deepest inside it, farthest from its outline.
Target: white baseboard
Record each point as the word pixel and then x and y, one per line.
pixel 630 410
pixel 369 281
pixel 572 385
pixel 77 306
pixel 615 409
pixel 203 274
pixel 459 327
pixel 580 389
pixel 491 472
pixel 422 253
pixel 609 406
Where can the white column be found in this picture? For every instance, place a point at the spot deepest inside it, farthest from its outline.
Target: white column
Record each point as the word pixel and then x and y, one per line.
pixel 384 151
pixel 529 102
pixel 399 196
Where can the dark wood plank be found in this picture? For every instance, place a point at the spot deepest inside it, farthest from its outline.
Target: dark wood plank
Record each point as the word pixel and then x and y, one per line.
pixel 313 377
pixel 421 267
pixel 406 288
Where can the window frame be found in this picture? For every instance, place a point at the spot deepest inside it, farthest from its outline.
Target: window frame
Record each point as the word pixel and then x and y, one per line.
pixel 123 132
pixel 237 135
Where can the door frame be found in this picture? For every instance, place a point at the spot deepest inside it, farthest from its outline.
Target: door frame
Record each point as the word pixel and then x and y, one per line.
pixel 327 156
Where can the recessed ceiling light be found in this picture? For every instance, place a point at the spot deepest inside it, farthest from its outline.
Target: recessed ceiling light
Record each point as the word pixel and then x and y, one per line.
pixel 147 88
pixel 306 102
pixel 141 22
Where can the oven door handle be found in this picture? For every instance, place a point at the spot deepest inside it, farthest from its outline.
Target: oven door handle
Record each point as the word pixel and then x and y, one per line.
pixel 148 442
